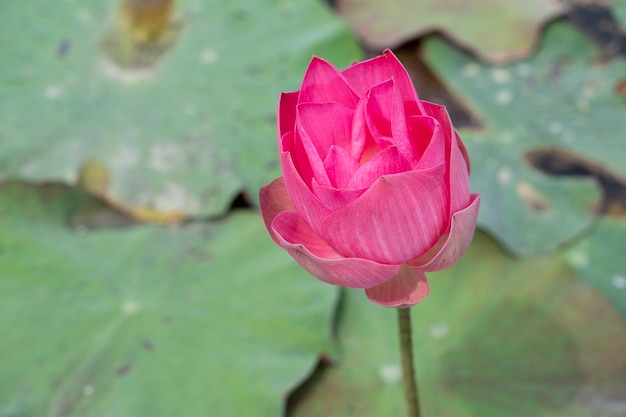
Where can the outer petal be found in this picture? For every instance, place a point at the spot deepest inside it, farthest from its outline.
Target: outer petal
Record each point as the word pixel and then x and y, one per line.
pixel 407 288
pixel 321 260
pixel 324 83
pixel 305 157
pixel 273 199
pixel 463 150
pixel 286 118
pixel 396 220
pixel 363 75
pixel 458 171
pixel 452 246
pixel 459 177
pixel 304 201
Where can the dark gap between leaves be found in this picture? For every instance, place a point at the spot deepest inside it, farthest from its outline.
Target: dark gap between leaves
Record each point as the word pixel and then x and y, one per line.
pixel 432 88
pixel 241 201
pixel 304 390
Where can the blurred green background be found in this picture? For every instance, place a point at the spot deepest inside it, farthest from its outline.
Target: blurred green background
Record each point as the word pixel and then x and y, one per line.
pixel 137 279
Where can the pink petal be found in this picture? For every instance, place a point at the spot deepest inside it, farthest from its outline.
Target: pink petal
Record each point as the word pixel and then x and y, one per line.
pixel 429 141
pixel 385 118
pixel 321 260
pixel 305 158
pixel 406 289
pixel 336 198
pixel 364 146
pixel 452 246
pixel 396 220
pixel 459 178
pixel 399 129
pixel 378 109
pixel 340 167
pixel 304 201
pixel 463 151
pixel 458 169
pixel 363 75
pixel 385 162
pixel 273 199
pixel 297 153
pixel 439 113
pixel 323 83
pixel 325 125
pixel 286 118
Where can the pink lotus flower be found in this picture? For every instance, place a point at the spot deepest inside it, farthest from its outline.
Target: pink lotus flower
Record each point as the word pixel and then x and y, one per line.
pixel 375 188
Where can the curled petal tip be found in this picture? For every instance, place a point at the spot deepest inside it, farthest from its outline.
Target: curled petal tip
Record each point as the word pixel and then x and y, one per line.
pixel 451 247
pixel 273 199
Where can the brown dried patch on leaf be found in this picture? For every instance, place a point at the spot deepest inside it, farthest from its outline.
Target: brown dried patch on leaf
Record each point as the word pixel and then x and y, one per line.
pixel 531 197
pixel 94 177
pixel 498 31
pixel 143 32
pixel 620 88
pixel 596 19
pixel 557 161
pixel 146 20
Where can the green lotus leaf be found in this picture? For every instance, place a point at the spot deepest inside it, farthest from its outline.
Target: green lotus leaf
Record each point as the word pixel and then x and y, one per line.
pixel 599 260
pixel 562 105
pixel 179 108
pixel 194 320
pixel 495 337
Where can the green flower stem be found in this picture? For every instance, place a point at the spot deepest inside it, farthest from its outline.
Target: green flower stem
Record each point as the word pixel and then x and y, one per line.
pixel 408 367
